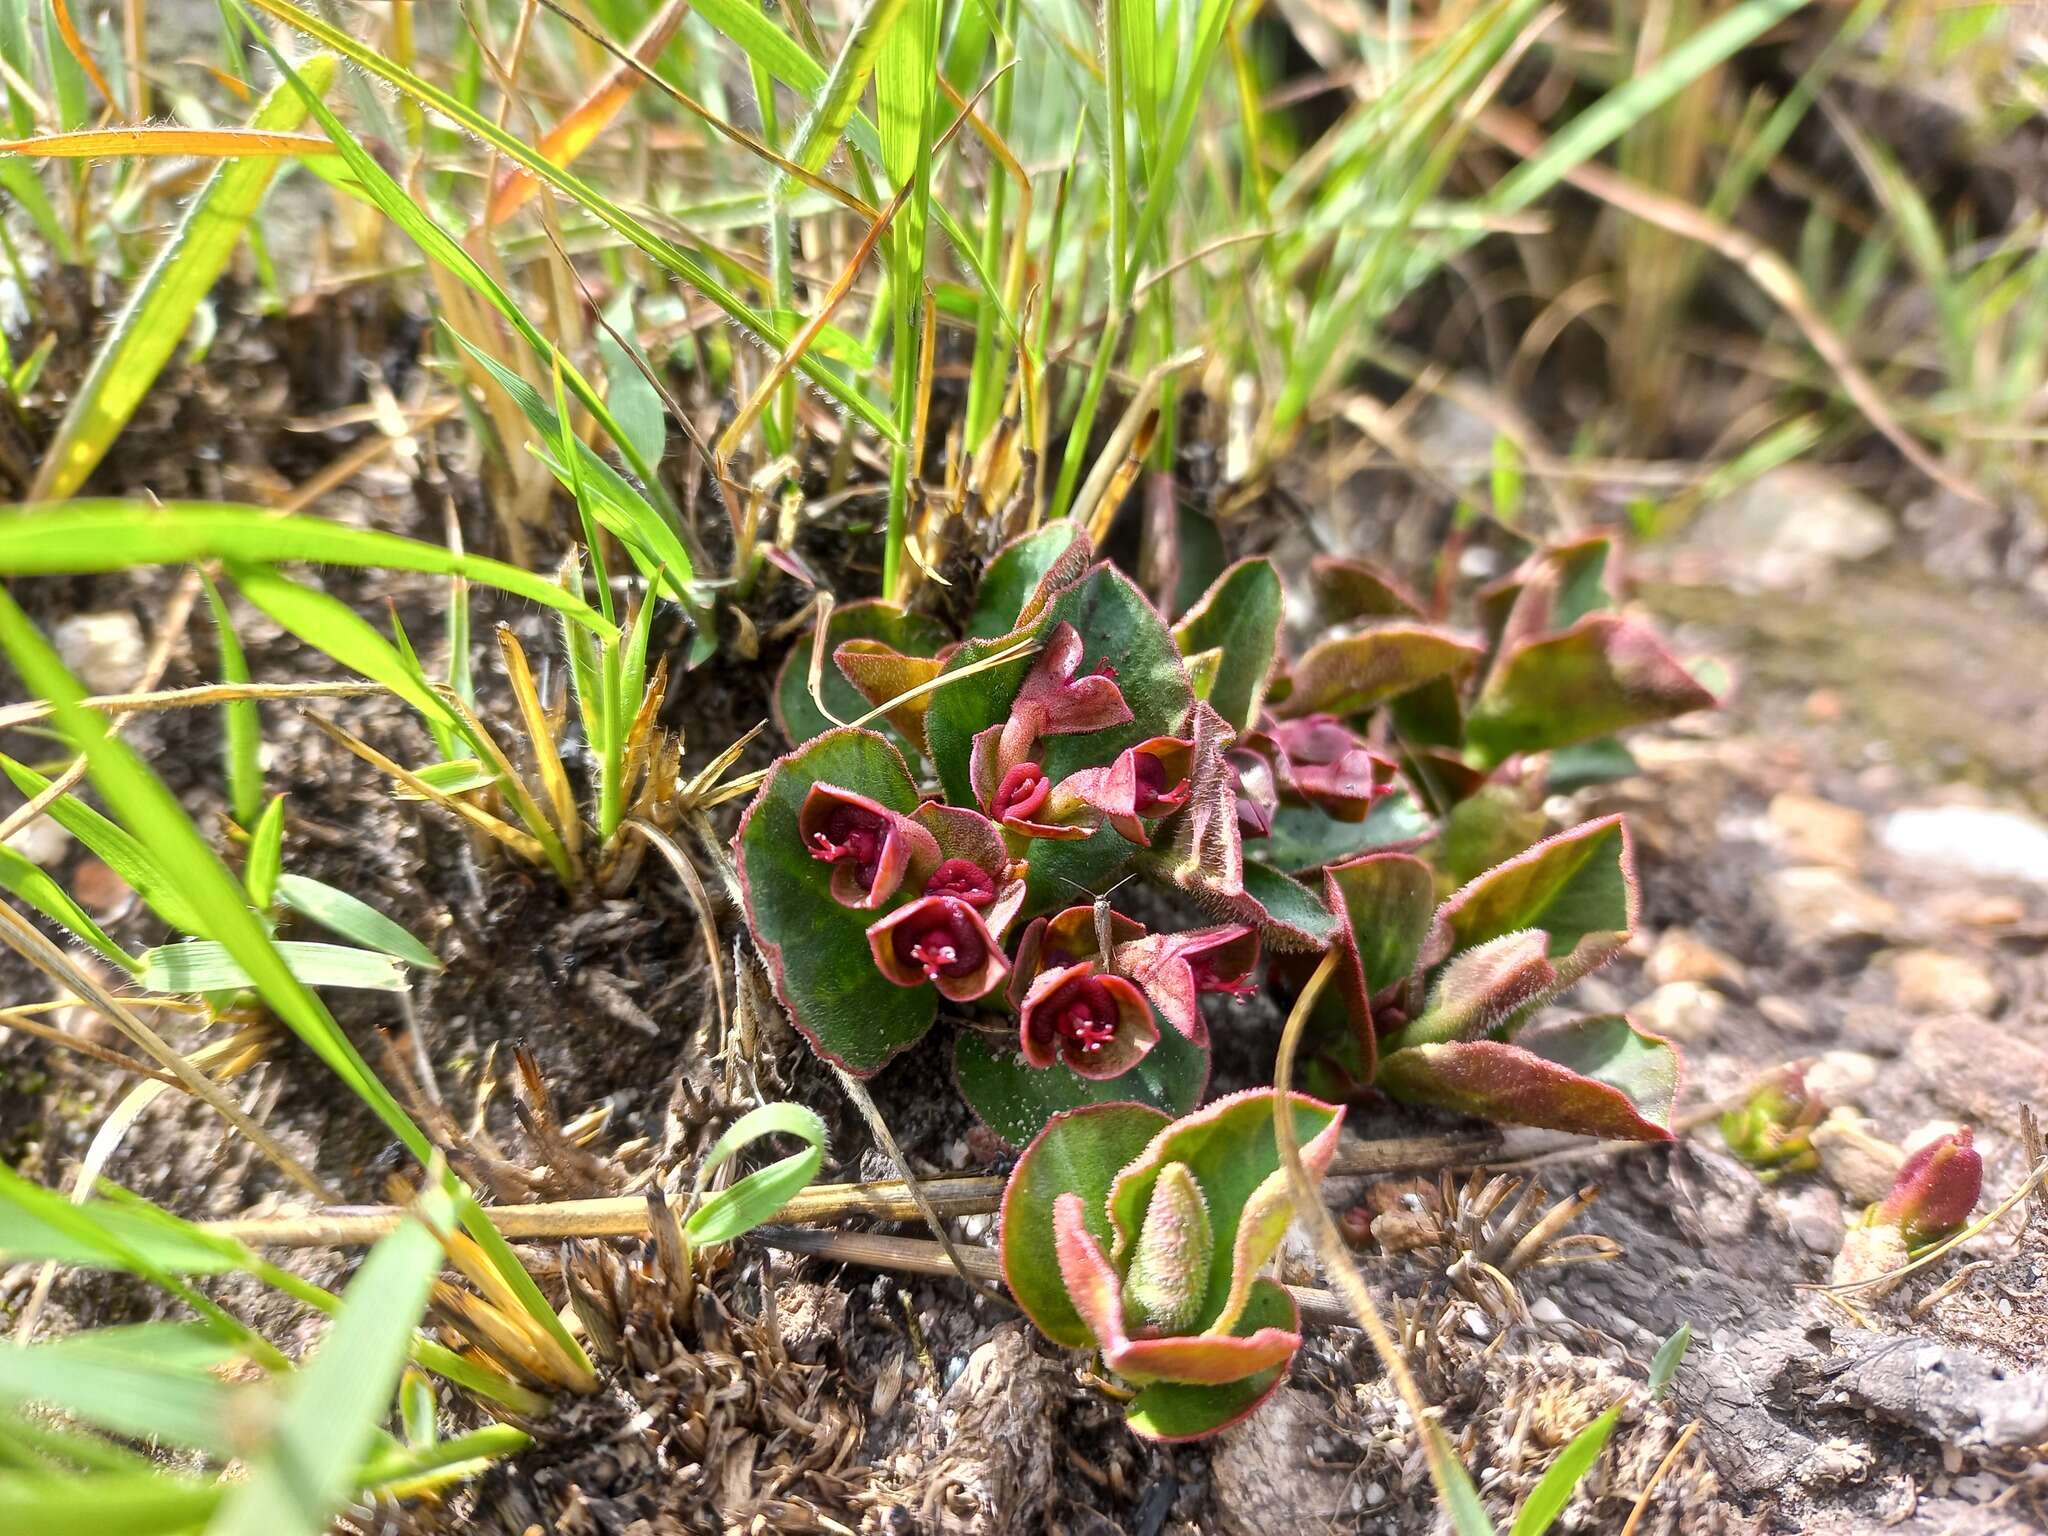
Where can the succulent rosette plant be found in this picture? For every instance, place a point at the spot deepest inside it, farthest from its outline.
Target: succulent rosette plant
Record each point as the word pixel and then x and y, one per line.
pixel 1144 1239
pixel 1441 1004
pixel 964 851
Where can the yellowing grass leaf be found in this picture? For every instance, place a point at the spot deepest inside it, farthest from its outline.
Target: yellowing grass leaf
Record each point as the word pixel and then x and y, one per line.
pixel 109 143
pixel 161 306
pixel 582 123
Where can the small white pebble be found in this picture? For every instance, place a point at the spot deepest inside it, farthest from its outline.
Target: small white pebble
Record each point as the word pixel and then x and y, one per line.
pixel 1547 1311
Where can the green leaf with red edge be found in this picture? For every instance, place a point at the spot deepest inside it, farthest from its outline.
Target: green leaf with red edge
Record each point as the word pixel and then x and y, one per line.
pixel 1346 589
pixel 1489 828
pixel 1598 1076
pixel 1606 673
pixel 1079 1152
pixel 1303 838
pixel 796 712
pixel 1017 1100
pixel 1230 1148
pixel 1173 1411
pixel 1579 887
pixel 1022 569
pixel 1384 903
pixel 1386 900
pixel 1116 624
pixel 1551 590
pixel 816 949
pixel 1240 616
pixel 1352 673
pixel 1197 553
pixel 1434 716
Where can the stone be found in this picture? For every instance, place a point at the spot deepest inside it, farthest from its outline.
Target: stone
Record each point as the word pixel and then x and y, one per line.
pixel 1816 831
pixel 42 842
pixel 1784 1015
pixel 1976 1071
pixel 100 891
pixel 1789 529
pixel 1840 1077
pixel 106 649
pixel 1680 955
pixel 1813 1215
pixel 1818 906
pixel 1264 1477
pixel 1935 981
pixel 1684 1011
pixel 1854 1158
pixel 1966 840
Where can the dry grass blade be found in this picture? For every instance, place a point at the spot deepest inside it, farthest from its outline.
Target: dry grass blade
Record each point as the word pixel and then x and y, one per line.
pixel 106 143
pixel 1109 464
pixel 1450 1480
pixel 67 29
pixel 26 940
pixel 540 736
pixel 521 843
pixel 1635 1516
pixel 23 1019
pixel 582 123
pixel 1764 267
pixel 192 698
pixel 700 899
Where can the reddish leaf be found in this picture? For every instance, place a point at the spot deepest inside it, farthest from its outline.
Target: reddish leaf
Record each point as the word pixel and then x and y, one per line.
pixel 1593 1077
pixel 882 674
pixel 1352 673
pixel 1604 674
pixel 1175 969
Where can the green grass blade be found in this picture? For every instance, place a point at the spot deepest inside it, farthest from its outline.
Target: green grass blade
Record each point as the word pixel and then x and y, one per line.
pixel 113 847
pixel 326 1433
pixel 328 624
pixel 1664 1365
pixel 1546 1501
pixel 1627 104
pixel 668 255
pixel 241 721
pixel 153 321
pixel 139 797
pixel 757 1197
pixel 266 856
pixel 352 918
pixel 27 880
pixel 82 537
pixel 113 1504
pixel 147 1383
pixel 200 965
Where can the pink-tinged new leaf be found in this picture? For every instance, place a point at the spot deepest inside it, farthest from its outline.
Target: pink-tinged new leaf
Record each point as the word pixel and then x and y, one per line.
pixel 1058 699
pixel 1552 589
pixel 872 849
pixel 1175 969
pixel 1606 673
pixel 1168 1279
pixel 1353 673
pixel 1936 1189
pixel 1592 1077
pixel 1319 761
pixel 1479 992
pixel 1097 1024
pixel 941 940
pixel 1097 1294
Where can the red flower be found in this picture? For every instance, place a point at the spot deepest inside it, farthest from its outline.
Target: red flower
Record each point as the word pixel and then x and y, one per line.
pixel 941 940
pixel 1936 1189
pixel 1175 969
pixel 964 879
pixel 1066 938
pixel 870 847
pixel 1145 781
pixel 1098 1025
pixel 1056 702
pixel 1024 802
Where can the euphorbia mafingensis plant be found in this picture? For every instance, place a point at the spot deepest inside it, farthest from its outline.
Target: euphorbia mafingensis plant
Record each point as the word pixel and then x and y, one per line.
pixel 1144 1239
pixel 966 851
